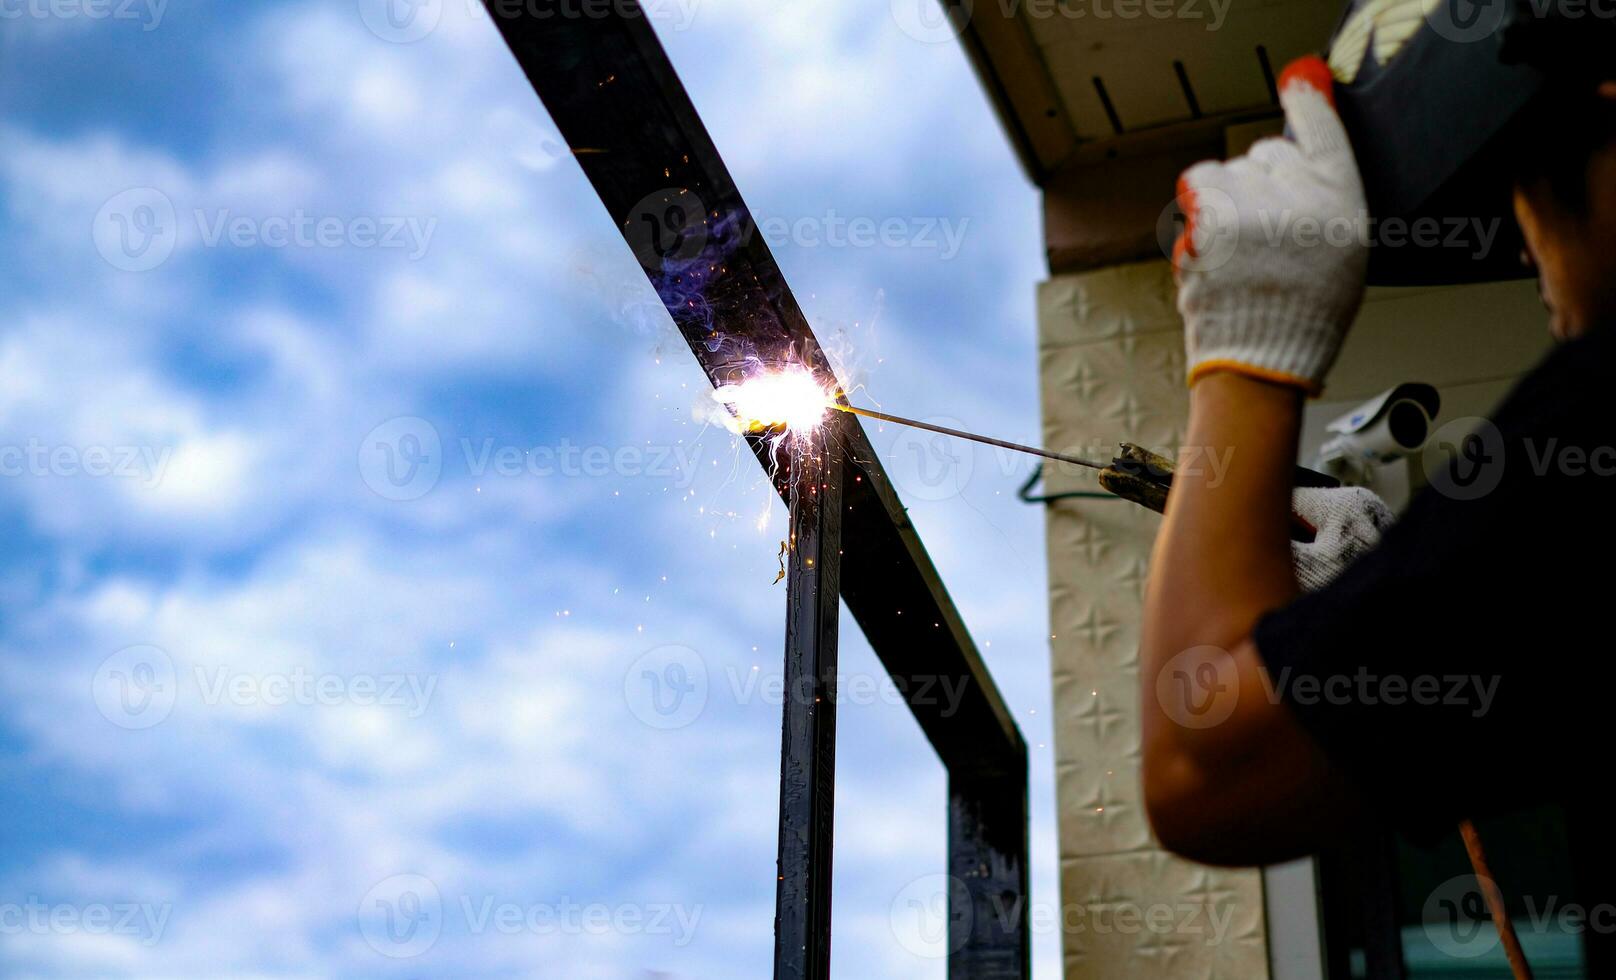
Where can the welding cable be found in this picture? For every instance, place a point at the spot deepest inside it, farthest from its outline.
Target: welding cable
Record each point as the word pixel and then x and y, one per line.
pixel 1026 495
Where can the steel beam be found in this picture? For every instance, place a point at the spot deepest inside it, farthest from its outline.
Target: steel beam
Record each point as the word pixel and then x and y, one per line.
pixel 622 110
pixel 808 729
pixel 987 848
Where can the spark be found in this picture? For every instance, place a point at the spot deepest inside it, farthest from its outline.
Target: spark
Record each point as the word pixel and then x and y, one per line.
pixel 785 405
pixel 790 398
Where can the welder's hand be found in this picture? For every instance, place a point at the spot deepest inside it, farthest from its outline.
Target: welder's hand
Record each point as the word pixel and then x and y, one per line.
pixel 1349 521
pixel 1272 260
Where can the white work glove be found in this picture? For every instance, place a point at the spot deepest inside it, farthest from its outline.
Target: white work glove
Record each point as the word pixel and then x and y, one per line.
pixel 1349 521
pixel 1272 259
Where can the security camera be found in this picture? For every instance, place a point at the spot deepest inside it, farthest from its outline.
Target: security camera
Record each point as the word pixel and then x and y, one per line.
pixel 1387 427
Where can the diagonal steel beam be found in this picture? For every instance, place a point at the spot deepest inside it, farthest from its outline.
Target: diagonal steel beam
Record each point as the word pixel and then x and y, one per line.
pixel 618 103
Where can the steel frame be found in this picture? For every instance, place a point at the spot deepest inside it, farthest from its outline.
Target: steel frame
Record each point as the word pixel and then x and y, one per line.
pixel 622 110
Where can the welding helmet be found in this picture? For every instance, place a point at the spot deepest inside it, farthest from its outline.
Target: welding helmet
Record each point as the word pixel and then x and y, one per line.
pixel 1433 94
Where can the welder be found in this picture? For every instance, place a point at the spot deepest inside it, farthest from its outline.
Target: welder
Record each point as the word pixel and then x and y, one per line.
pixel 1509 584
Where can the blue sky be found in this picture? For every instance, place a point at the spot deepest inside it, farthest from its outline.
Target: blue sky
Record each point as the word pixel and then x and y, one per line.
pixel 275 710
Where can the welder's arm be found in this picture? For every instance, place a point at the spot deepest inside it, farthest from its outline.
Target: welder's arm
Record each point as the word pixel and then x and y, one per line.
pixel 1230 775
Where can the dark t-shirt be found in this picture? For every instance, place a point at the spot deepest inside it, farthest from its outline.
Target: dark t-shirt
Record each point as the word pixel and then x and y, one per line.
pixel 1465 666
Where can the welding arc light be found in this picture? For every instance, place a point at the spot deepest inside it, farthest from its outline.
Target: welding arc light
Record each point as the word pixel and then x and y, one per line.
pixel 790 399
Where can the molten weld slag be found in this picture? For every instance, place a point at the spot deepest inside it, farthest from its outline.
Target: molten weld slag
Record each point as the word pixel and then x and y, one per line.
pixel 789 399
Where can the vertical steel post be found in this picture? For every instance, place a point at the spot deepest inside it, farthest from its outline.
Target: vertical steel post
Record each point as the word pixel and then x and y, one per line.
pixel 987 864
pixel 808 730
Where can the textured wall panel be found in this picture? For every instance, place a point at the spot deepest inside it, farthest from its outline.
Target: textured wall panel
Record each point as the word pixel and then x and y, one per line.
pixel 1112 369
pixel 1150 914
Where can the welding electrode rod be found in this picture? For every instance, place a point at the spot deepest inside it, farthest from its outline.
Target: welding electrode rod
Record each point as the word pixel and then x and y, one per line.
pixel 945 430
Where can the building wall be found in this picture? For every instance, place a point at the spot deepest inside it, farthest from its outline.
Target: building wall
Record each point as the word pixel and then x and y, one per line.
pixel 1111 354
